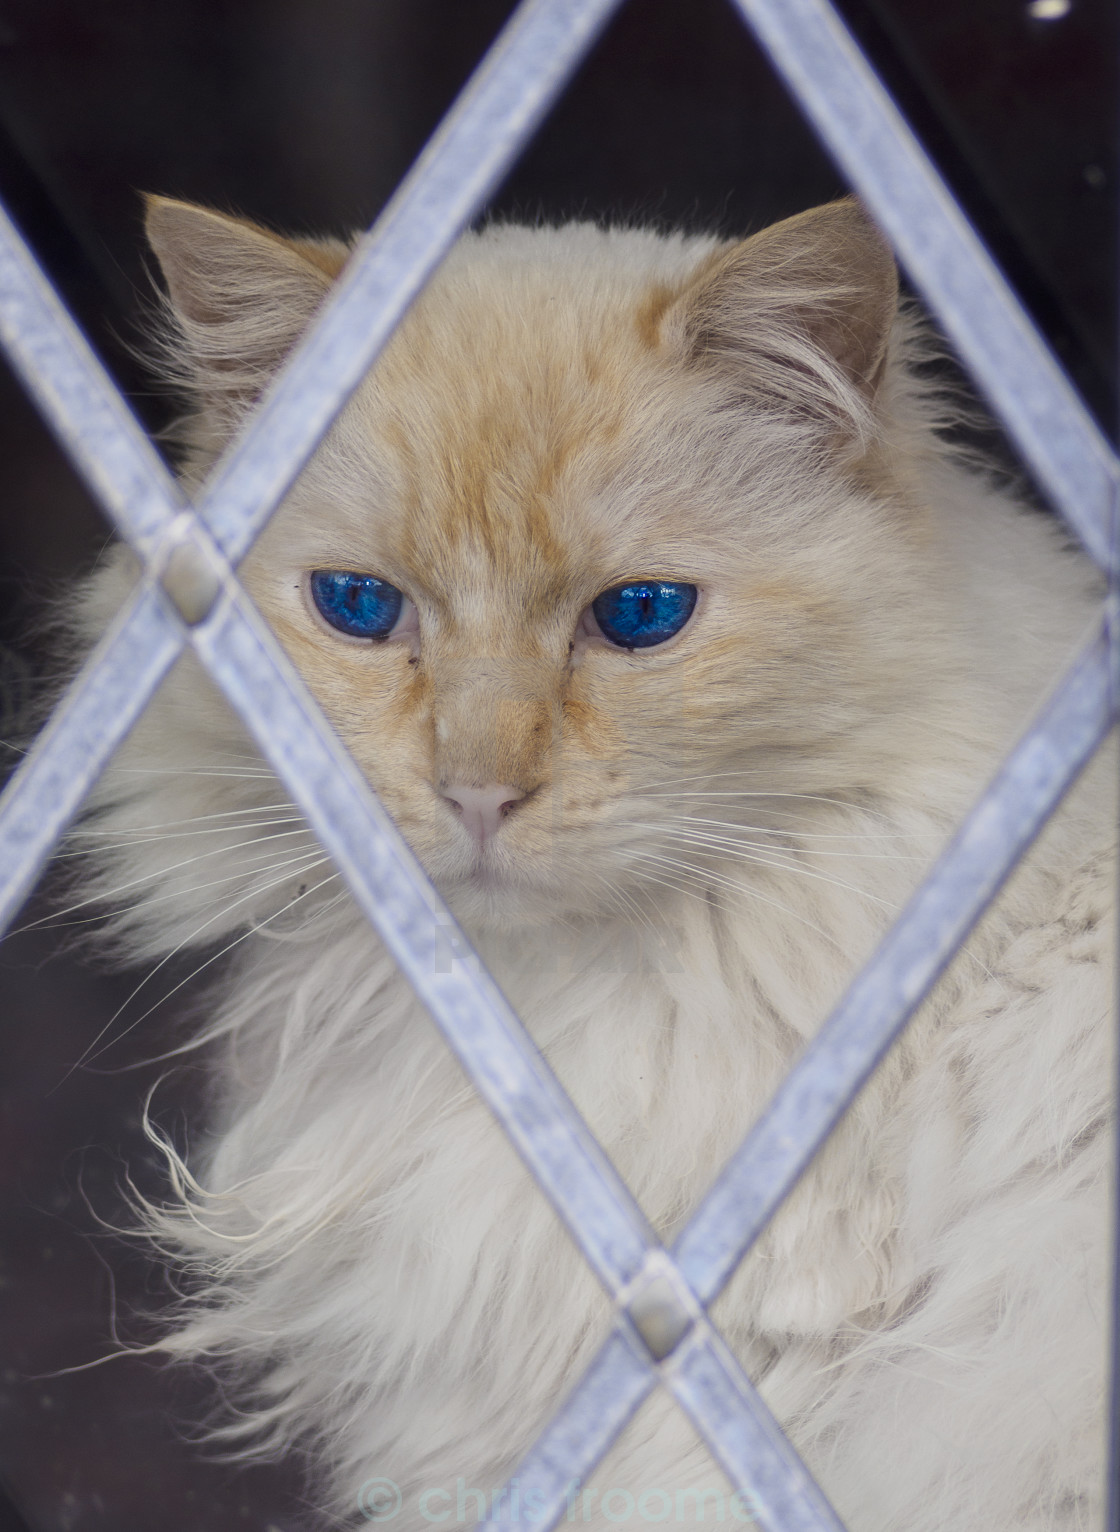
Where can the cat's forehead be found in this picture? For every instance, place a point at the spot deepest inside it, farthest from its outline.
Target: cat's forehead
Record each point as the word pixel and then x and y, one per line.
pixel 522 391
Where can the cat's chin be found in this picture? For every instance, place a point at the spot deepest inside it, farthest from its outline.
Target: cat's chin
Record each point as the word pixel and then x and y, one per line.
pixel 489 897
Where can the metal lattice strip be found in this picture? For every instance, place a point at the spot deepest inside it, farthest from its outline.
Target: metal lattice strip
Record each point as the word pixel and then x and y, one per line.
pixel 871 141
pixel 188 575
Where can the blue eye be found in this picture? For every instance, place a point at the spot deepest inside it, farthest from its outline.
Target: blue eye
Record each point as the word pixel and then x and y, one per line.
pixel 644 613
pixel 358 604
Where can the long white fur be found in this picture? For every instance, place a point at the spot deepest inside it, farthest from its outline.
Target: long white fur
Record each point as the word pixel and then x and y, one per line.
pixel 368 1261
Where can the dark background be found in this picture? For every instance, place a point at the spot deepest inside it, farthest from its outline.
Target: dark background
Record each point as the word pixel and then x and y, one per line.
pixel 305 114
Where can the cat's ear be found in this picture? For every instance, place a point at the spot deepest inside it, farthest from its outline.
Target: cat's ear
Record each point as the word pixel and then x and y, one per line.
pixel 240 296
pixel 802 311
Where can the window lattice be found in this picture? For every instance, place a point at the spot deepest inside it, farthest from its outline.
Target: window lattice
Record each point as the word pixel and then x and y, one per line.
pixel 189 594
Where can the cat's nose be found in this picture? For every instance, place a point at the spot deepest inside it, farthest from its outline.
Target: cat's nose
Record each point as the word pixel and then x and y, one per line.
pixel 482 809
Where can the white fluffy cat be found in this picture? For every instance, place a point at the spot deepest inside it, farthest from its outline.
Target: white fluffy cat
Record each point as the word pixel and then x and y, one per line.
pixel 638 581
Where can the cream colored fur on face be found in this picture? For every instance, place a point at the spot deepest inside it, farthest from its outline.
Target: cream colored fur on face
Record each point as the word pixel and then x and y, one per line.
pixel 714 836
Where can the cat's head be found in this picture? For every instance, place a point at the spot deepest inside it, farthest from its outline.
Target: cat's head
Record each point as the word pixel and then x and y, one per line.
pixel 613 549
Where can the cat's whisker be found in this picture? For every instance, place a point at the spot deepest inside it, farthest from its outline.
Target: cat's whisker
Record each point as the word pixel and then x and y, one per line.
pixel 192 819
pixel 711 776
pixel 788 820
pixel 621 900
pixel 680 789
pixel 705 897
pixel 263 928
pixel 144 839
pixel 732 845
pixel 104 896
pixel 788 866
pixel 676 888
pixel 88 1056
pixel 965 951
pixel 241 774
pixel 728 792
pixel 220 1029
pixel 763 792
pixel 254 893
pixel 705 877
pixel 191 888
pixel 799 835
pixel 890 905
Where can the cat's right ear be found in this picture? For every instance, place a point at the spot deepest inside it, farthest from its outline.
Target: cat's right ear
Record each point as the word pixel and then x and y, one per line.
pixel 240 297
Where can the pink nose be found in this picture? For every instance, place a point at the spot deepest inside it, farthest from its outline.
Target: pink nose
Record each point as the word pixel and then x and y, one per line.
pixel 482 809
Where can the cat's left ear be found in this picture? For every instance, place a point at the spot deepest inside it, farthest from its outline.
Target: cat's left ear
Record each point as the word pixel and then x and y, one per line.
pixel 802 311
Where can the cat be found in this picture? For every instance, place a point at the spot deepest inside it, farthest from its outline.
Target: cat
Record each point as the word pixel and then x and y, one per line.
pixel 644 582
